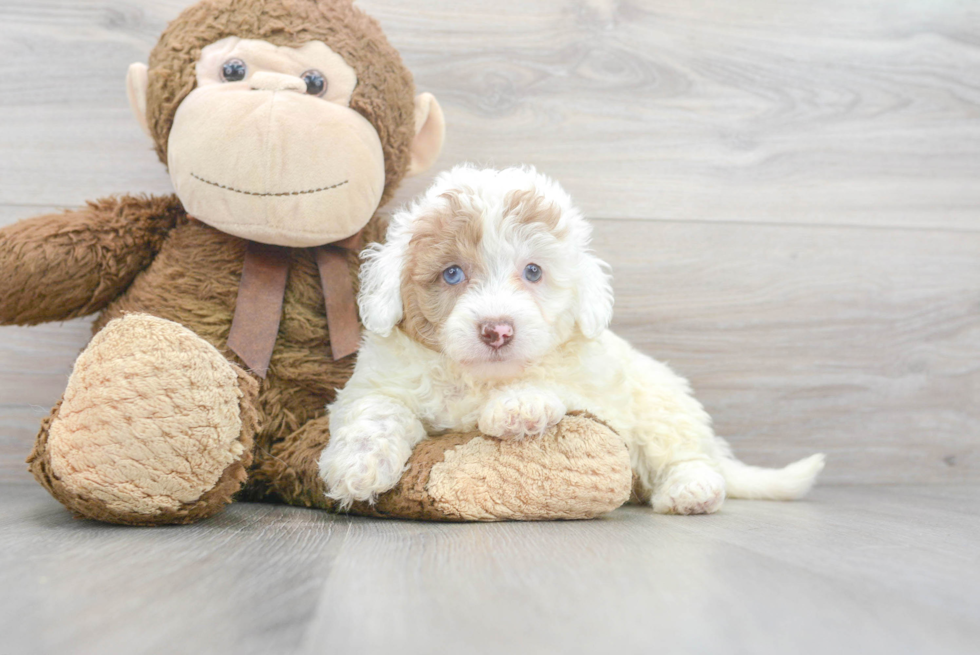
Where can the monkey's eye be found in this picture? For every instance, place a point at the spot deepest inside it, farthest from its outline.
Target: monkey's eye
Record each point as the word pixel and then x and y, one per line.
pixel 532 272
pixel 316 84
pixel 453 275
pixel 233 70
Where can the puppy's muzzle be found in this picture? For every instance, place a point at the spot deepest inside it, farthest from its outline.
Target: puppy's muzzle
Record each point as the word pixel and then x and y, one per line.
pixel 497 333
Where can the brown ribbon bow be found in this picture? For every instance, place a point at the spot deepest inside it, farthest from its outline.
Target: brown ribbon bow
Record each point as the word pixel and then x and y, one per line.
pixel 258 310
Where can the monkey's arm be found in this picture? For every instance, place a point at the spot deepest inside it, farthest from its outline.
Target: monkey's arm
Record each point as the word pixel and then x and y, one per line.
pixel 60 266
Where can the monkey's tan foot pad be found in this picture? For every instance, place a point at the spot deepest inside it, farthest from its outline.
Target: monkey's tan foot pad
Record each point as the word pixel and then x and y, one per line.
pixel 577 470
pixel 155 427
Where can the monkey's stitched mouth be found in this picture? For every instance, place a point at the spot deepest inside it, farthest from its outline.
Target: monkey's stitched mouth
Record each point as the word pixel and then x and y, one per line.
pixel 256 193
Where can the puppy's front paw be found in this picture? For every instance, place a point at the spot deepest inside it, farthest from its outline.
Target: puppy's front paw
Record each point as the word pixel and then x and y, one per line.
pixel 694 488
pixel 519 414
pixel 359 463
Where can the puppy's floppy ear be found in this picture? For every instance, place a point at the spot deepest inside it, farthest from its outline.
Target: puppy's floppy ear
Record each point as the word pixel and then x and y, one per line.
pixel 595 295
pixel 380 299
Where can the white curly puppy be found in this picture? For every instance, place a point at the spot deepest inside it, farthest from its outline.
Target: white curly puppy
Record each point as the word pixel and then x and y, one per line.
pixel 485 308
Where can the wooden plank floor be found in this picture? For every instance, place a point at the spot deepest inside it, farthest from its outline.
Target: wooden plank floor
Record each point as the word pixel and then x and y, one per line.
pixel 855 569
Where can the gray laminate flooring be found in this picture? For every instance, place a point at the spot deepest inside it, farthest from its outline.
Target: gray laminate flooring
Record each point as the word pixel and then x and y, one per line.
pixel 872 569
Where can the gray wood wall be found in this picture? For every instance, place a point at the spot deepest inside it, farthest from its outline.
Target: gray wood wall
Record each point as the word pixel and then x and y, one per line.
pixel 788 191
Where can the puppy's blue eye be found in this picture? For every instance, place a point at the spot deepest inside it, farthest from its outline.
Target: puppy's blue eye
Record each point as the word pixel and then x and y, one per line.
pixel 532 272
pixel 453 275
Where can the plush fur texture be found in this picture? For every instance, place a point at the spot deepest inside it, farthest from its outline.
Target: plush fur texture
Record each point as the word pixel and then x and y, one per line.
pixel 193 281
pixel 62 266
pixel 165 286
pixel 576 470
pixel 152 419
pixel 488 310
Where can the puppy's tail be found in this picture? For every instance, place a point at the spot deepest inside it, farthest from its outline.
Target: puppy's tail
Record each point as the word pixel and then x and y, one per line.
pixel 757 483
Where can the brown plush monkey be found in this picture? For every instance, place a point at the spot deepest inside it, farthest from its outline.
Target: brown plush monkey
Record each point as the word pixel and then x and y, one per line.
pixel 285 124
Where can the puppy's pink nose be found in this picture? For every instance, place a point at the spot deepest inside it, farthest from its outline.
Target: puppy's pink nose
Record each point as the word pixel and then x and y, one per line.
pixel 497 333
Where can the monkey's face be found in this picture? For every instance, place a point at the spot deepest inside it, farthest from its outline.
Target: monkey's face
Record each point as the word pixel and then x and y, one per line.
pixel 267 148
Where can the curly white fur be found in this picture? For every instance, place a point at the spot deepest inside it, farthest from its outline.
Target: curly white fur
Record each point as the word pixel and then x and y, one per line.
pixel 562 357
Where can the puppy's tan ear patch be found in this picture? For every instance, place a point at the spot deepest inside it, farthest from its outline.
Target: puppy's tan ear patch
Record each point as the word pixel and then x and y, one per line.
pixel 527 206
pixel 450 237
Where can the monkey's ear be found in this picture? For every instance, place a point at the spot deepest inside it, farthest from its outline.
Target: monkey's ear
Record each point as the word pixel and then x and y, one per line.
pixel 430 132
pixel 137 79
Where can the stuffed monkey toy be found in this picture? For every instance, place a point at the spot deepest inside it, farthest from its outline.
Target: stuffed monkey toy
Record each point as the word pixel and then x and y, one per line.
pixel 226 315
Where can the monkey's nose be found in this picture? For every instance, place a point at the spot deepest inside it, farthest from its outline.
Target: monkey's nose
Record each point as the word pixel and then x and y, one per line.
pixel 497 333
pixel 266 81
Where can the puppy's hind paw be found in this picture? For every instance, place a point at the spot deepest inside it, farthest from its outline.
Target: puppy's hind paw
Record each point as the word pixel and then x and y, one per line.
pixel 693 489
pixel 515 414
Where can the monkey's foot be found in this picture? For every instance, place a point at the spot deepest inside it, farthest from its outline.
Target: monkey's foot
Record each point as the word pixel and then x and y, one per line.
pixel 155 427
pixel 576 470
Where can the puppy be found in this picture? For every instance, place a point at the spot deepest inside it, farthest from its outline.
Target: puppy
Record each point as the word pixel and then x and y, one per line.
pixel 486 309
